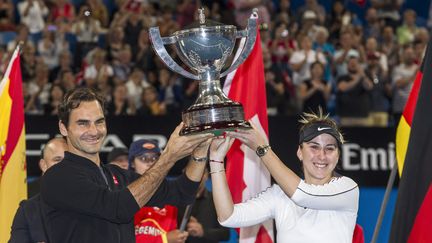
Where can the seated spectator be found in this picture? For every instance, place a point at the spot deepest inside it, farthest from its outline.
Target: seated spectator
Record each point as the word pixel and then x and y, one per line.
pixel 152 224
pixel 119 157
pixel 122 66
pixel 56 96
pixel 50 47
pixel 150 105
pixel 120 105
pixel 315 92
pixel 372 51
pixel 98 67
pixel 65 64
pixel 135 86
pixel 170 91
pixel 353 95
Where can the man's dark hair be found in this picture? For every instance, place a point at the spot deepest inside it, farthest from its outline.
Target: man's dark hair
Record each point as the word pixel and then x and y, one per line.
pixel 73 99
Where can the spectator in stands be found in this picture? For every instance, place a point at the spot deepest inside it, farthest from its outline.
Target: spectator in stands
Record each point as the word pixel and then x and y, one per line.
pixel 321 44
pixel 120 105
pixel 7 16
pixel 119 157
pixel 402 80
pixel 150 105
pixel 372 51
pixel 170 91
pixel 153 224
pixel 302 59
pixel 390 47
pixel 98 67
pixel 373 25
pixel 337 20
pixel 87 30
pixel 32 14
pixel 50 47
pixel 243 10
pixel 312 5
pixel 65 64
pixel 135 86
pixel 408 29
pixel 99 12
pixel 346 46
pixel 144 57
pixel 28 224
pixel 380 93
pixel 62 12
pixel 55 98
pixel 115 42
pixel 281 46
pixel 315 92
pixel 122 66
pixel 67 80
pixel 185 12
pixel 353 95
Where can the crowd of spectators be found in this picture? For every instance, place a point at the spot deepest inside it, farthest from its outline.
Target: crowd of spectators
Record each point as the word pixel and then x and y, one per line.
pixel 358 68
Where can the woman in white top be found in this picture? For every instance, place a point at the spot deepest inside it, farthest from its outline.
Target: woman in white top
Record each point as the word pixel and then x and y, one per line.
pixel 322 207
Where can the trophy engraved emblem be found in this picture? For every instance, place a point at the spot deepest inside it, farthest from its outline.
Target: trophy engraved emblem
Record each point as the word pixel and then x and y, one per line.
pixel 204 48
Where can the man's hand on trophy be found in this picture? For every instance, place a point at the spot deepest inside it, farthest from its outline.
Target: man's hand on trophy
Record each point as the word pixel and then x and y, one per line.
pixel 200 153
pixel 179 147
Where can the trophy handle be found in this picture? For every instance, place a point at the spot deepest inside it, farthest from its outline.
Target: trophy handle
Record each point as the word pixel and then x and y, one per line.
pixel 158 44
pixel 250 33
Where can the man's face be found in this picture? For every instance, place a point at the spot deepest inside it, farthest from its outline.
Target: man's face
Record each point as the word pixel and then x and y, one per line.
pixel 319 157
pixel 143 162
pixel 53 153
pixel 86 130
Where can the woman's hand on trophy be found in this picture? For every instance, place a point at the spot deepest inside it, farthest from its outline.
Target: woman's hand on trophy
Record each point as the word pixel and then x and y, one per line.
pixel 250 137
pixel 179 147
pixel 219 148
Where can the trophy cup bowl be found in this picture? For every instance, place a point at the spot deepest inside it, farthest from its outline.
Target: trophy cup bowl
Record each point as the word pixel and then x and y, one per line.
pixel 205 48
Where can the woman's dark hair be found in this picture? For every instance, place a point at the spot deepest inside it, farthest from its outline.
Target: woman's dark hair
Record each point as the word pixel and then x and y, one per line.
pixel 73 99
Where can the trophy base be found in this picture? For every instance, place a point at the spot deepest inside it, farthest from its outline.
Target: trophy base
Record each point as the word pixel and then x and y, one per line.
pixel 216 119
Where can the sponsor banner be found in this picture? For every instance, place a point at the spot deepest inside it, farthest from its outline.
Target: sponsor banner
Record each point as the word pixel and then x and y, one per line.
pixel 367 156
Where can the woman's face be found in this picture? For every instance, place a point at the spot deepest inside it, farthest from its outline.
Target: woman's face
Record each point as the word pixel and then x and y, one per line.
pixel 319 157
pixel 317 71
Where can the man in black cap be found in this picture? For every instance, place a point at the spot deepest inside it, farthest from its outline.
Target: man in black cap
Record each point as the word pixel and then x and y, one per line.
pixel 119 157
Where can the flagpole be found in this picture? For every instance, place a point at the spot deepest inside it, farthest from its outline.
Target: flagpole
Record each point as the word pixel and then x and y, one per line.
pixel 381 214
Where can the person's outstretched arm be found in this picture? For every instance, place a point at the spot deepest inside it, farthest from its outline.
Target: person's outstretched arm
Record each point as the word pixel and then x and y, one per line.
pixel 284 176
pixel 177 148
pixel 221 194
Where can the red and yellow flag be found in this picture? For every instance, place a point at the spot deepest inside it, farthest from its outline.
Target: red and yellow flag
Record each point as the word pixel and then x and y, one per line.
pixel 413 211
pixel 405 123
pixel 13 185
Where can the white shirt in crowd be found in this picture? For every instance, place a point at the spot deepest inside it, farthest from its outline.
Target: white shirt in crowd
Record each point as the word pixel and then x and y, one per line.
pixel 34 20
pixel 304 73
pixel 315 213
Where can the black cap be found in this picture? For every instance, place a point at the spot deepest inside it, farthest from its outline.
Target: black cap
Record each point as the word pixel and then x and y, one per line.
pixel 115 153
pixel 316 129
pixel 142 146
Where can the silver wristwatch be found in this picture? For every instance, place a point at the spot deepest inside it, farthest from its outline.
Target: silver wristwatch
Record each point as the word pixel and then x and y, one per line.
pixel 262 150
